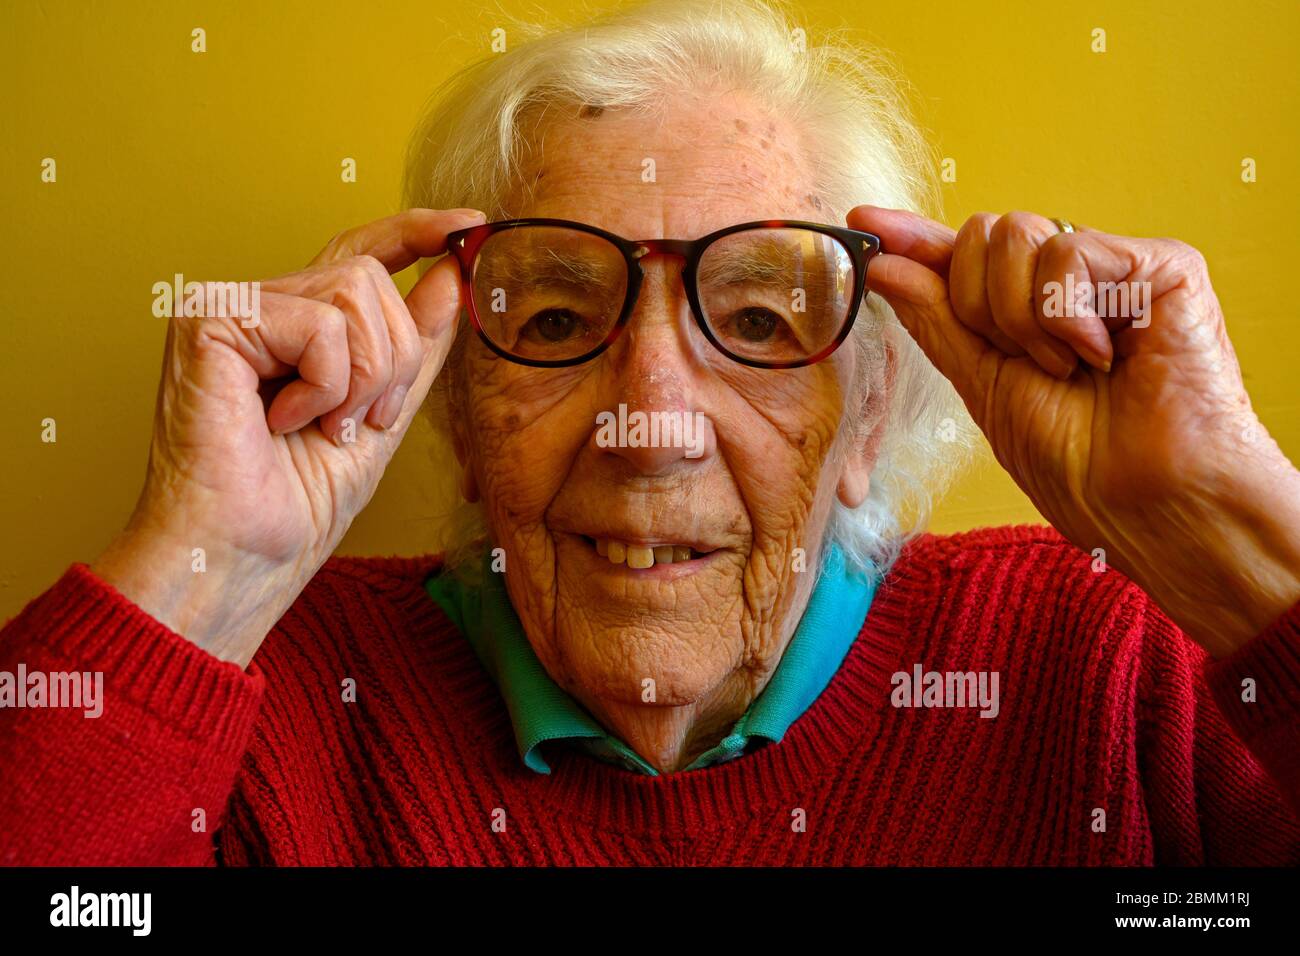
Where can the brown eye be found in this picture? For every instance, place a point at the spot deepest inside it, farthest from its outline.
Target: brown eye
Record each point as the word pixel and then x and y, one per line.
pixel 556 325
pixel 755 324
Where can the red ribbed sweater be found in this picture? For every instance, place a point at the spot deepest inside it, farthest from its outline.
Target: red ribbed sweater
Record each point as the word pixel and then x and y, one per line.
pixel 1104 705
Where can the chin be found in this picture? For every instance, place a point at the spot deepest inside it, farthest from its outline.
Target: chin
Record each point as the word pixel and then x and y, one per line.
pixel 614 664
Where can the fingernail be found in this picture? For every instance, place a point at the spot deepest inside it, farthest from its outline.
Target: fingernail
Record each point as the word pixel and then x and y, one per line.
pixel 1057 359
pixel 392 407
pixel 1094 356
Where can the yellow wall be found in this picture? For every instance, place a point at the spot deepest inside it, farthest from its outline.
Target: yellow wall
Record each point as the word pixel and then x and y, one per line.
pixel 226 165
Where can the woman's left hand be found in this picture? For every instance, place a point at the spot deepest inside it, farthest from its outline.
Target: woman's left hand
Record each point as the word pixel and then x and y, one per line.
pixel 1122 415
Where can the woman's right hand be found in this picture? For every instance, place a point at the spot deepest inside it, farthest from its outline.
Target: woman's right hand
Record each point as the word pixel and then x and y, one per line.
pixel 269 440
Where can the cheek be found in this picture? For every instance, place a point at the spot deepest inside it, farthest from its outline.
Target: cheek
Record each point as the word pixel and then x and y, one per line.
pixel 526 428
pixel 777 442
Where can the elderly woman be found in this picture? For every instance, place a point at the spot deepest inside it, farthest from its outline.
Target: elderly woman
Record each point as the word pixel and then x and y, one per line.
pixel 702 366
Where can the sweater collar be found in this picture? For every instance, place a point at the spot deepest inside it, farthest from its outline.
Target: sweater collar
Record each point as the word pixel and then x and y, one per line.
pixel 541 711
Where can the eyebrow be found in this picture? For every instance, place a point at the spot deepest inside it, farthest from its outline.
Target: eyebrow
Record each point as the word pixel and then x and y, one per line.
pixel 549 268
pixel 768 261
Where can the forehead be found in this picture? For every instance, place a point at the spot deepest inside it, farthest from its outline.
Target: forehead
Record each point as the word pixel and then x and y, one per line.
pixel 704 162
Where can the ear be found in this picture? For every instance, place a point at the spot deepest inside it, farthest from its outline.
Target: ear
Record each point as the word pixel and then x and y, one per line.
pixel 468 483
pixel 860 462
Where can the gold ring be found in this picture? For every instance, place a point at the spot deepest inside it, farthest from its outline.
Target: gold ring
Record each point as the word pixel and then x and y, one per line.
pixel 1064 225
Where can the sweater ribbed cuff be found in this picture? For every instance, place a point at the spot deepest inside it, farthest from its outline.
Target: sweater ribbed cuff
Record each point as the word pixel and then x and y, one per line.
pixel 83 623
pixel 1270 723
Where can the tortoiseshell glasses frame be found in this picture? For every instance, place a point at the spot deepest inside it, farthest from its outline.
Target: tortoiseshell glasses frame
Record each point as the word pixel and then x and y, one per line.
pixel 860 247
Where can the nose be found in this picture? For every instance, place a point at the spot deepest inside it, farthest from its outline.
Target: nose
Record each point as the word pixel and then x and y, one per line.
pixel 649 416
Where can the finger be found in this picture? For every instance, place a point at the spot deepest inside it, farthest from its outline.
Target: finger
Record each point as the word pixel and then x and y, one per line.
pixel 968 282
pixel 294 335
pixel 919 298
pixel 370 353
pixel 434 305
pixel 1065 302
pixel 1078 277
pixel 398 241
pixel 407 353
pixel 904 233
pixel 1014 242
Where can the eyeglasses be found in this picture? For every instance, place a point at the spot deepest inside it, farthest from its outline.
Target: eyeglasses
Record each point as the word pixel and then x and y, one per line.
pixel 774 294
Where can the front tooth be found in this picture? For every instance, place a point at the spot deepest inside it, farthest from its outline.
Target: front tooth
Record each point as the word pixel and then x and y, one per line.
pixel 640 557
pixel 602 547
pixel 681 553
pixel 664 554
pixel 617 552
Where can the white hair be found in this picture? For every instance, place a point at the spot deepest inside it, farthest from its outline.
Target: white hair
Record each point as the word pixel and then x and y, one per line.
pixel 847 103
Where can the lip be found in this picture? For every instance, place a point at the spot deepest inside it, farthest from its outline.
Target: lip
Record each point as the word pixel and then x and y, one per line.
pixel 639 542
pixel 585 544
pixel 687 539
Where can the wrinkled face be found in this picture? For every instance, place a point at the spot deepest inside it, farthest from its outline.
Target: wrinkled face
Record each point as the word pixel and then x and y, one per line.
pixel 751 505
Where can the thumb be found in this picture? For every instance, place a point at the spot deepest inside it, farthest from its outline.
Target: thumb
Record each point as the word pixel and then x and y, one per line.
pixel 434 305
pixel 919 298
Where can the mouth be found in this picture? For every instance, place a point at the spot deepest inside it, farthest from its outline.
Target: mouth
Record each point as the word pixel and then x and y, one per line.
pixel 644 555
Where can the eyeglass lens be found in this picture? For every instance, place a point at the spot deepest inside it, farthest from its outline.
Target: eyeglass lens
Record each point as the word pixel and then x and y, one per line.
pixel 553 293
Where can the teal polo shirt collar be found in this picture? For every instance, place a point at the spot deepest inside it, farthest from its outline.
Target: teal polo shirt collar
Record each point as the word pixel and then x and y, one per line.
pixel 540 710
